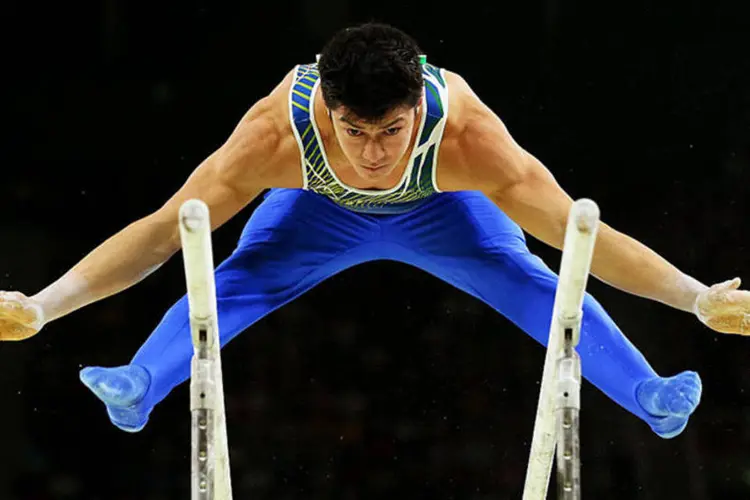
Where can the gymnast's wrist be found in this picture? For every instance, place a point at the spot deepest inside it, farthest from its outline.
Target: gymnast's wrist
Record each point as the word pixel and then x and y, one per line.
pixel 689 292
pixel 61 298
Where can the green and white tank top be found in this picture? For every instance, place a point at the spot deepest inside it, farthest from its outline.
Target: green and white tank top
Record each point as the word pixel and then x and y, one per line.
pixel 418 181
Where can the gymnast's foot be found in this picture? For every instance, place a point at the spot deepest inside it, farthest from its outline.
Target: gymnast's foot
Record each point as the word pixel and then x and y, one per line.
pixel 672 400
pixel 121 389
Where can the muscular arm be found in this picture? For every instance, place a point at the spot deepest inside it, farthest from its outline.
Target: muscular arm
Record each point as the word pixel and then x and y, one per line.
pixel 491 161
pixel 226 181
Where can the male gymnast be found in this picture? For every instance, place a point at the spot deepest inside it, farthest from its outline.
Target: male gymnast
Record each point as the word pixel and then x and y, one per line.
pixel 373 153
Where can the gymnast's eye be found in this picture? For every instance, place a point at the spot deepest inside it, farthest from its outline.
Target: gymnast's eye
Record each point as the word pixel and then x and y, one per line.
pixel 353 132
pixel 393 131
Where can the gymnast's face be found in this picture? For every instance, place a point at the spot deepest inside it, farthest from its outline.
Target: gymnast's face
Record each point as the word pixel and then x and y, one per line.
pixel 375 149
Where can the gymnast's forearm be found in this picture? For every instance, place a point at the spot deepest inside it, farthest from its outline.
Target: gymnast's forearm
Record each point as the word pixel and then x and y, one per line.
pixel 118 263
pixel 630 266
pixel 541 207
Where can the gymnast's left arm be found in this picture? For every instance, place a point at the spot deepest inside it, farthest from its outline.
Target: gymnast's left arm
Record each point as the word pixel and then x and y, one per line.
pixel 486 158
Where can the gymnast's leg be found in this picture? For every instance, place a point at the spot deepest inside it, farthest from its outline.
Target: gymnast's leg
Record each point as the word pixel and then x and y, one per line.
pixel 294 240
pixel 464 239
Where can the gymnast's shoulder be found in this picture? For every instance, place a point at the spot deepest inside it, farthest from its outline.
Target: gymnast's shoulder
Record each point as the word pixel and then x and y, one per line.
pixel 466 110
pixel 476 151
pixel 263 139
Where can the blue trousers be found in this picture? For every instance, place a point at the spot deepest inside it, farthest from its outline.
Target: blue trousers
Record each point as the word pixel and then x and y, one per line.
pixel 296 239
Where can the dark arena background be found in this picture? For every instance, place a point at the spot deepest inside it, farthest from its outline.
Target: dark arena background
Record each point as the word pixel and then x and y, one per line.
pixel 383 382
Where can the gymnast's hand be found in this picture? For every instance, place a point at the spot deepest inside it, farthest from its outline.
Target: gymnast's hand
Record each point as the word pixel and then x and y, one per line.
pixel 20 316
pixel 724 308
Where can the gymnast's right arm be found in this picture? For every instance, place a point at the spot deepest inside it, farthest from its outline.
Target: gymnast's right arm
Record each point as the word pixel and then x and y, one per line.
pixel 227 181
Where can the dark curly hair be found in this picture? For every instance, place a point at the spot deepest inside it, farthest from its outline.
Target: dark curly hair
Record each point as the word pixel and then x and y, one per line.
pixel 370 69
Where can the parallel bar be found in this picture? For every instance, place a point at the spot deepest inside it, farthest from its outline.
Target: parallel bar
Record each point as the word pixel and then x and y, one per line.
pixel 578 249
pixel 210 471
pixel 567 408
